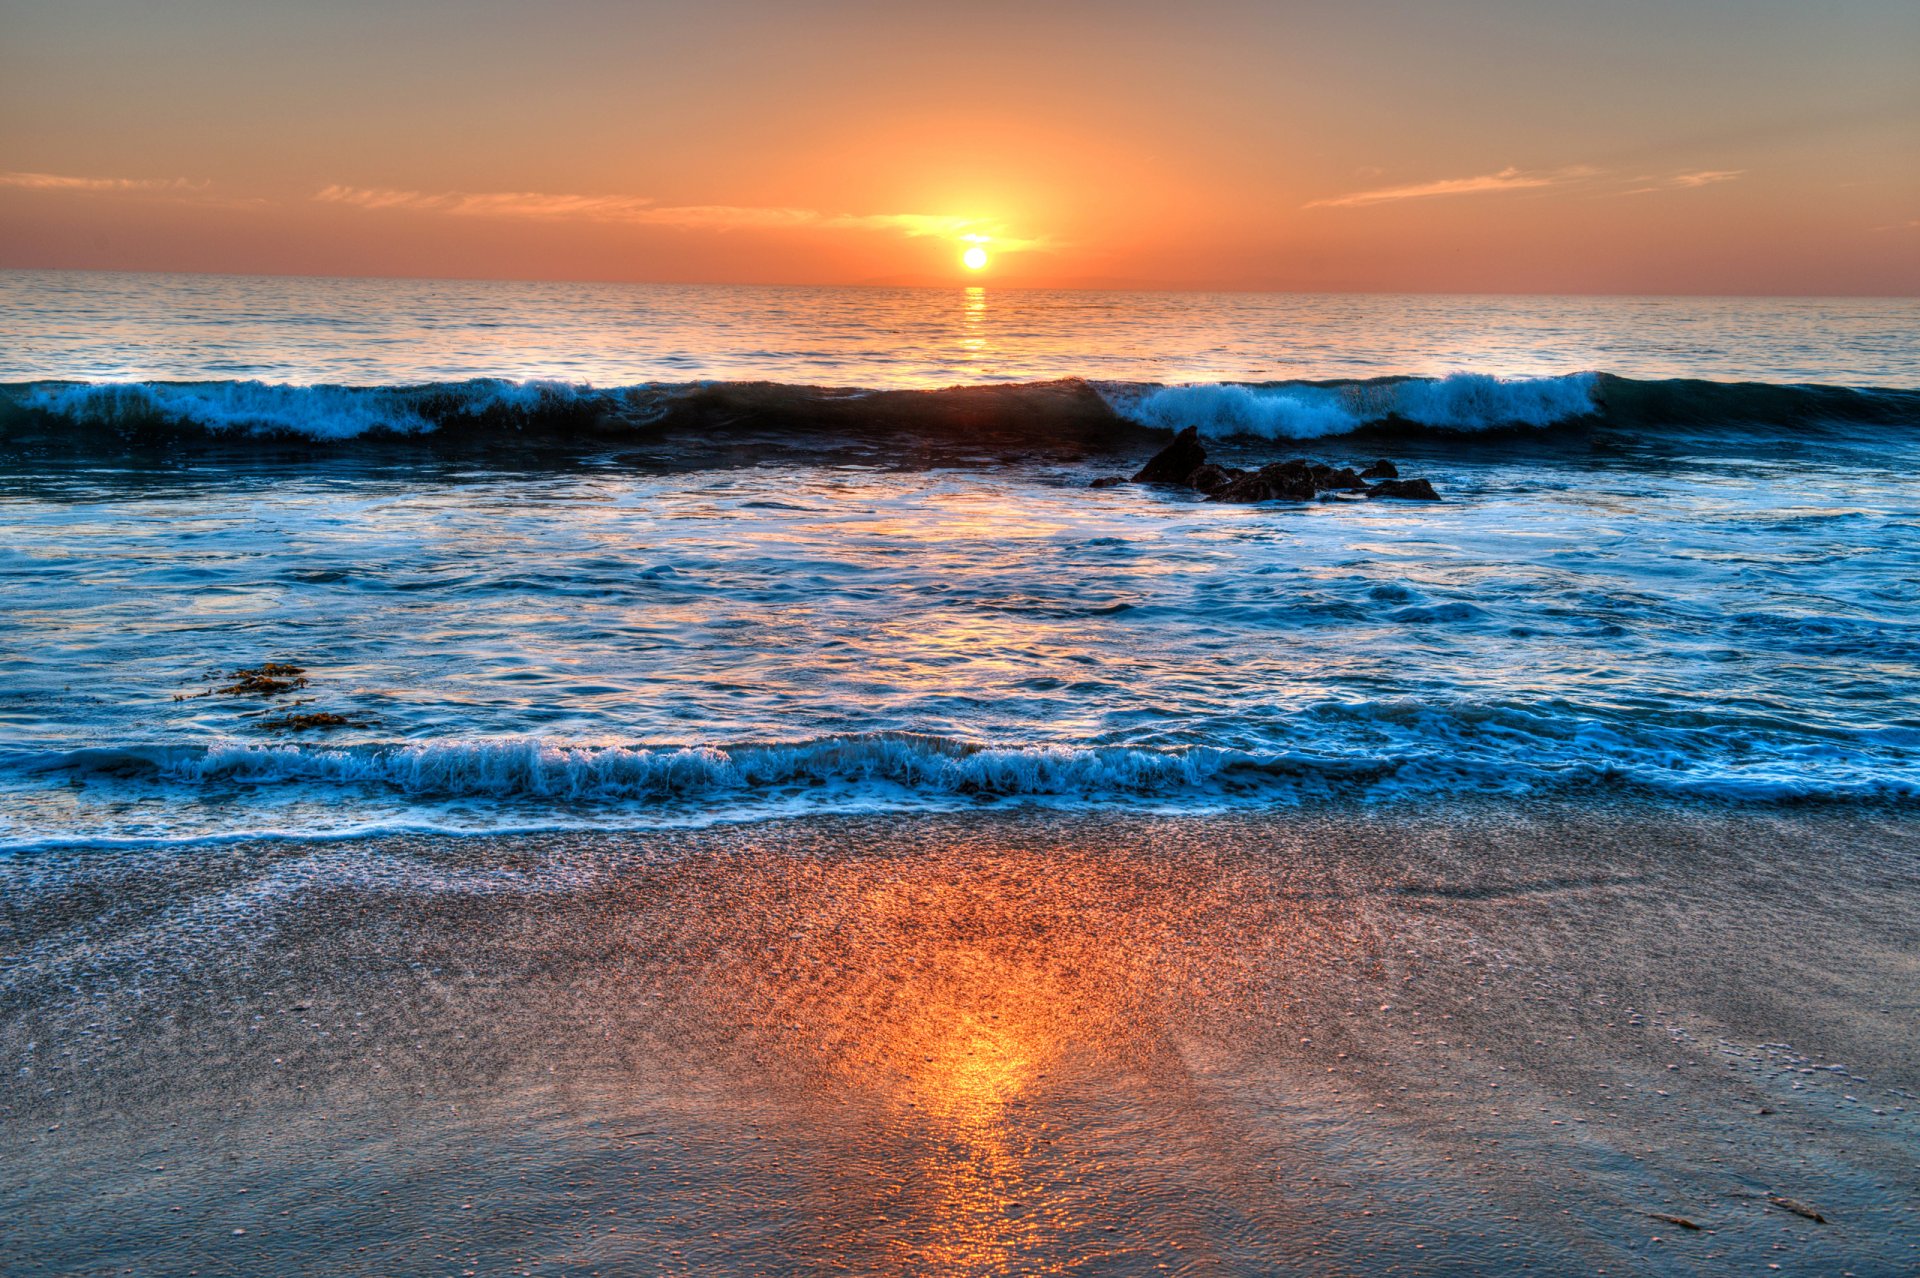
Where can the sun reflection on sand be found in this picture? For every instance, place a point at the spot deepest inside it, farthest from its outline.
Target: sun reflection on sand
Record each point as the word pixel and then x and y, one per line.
pixel 949 1035
pixel 936 1023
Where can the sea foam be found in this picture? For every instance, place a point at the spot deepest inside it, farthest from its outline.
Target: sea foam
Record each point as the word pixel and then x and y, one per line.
pixel 1459 402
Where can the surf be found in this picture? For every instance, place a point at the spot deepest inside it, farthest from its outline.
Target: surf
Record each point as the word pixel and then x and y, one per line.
pixel 1072 412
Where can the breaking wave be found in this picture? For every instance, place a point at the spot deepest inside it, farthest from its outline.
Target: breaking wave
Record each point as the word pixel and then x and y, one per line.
pixel 1067 412
pixel 1462 402
pixel 1421 753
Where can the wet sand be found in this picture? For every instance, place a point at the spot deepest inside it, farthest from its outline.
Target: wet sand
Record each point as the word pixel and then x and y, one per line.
pixel 1482 1040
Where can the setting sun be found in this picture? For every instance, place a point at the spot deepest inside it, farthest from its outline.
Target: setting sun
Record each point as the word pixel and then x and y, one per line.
pixel 975 258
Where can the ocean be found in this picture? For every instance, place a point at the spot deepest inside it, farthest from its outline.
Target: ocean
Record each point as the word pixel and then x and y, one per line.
pixel 603 556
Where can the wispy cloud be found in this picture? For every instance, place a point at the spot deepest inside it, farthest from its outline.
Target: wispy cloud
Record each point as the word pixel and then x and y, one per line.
pixel 61 182
pixel 1686 181
pixel 638 211
pixel 1596 181
pixel 1507 179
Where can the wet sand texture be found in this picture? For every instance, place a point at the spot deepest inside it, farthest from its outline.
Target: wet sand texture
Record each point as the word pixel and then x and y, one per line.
pixel 1478 1041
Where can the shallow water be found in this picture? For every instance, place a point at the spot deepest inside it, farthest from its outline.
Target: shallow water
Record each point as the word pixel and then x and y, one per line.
pixel 595 644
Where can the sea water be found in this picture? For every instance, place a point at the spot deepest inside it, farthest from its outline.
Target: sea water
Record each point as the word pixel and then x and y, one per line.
pixel 601 556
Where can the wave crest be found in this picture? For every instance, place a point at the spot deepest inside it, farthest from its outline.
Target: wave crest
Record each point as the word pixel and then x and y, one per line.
pixel 1459 402
pixel 1445 753
pixel 1065 413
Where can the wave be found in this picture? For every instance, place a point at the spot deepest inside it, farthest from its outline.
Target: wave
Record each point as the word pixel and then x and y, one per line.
pixel 1451 758
pixel 1461 402
pixel 1069 413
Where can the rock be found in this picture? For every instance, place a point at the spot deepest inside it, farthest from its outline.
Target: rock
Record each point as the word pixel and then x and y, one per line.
pixel 1172 464
pixel 1184 462
pixel 1280 481
pixel 1211 478
pixel 1406 489
pixel 1108 481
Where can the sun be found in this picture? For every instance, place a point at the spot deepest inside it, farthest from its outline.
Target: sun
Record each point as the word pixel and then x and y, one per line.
pixel 975 258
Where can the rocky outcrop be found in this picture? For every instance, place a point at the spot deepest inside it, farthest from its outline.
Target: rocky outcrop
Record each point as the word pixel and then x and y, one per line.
pixel 1406 489
pixel 1211 479
pixel 1279 481
pixel 1174 463
pixel 1184 464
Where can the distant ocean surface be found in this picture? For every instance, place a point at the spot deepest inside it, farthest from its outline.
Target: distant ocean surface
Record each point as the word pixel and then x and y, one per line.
pixel 597 556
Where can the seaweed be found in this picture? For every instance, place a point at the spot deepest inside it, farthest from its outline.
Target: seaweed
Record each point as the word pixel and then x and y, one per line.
pixel 269 680
pixel 273 679
pixel 311 720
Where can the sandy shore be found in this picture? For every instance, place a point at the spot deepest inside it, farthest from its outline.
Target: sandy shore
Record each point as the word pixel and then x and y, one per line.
pixel 1478 1041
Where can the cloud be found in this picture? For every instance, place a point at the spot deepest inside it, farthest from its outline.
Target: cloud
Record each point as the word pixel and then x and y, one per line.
pixel 1507 179
pixel 1514 179
pixel 1705 177
pixel 639 211
pixel 60 182
pixel 1686 181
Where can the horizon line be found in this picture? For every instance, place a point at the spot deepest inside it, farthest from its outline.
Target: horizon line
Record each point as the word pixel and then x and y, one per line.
pixel 962 285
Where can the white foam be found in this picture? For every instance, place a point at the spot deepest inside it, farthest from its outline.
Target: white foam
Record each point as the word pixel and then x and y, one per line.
pixel 535 768
pixel 1460 401
pixel 314 412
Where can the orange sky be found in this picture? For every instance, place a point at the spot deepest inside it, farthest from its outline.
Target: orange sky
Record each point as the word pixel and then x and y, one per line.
pixel 1743 146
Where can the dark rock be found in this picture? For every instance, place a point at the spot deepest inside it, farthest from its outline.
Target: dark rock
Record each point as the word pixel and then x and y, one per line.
pixel 1407 489
pixel 1108 481
pixel 1211 478
pixel 1172 464
pixel 1184 462
pixel 1281 481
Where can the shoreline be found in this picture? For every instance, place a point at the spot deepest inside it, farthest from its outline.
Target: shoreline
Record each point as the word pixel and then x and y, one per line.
pixel 1467 1039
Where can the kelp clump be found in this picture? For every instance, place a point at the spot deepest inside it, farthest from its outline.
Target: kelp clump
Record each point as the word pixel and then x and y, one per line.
pixel 269 680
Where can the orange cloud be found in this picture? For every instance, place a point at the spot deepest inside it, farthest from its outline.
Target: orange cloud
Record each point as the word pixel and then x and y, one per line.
pixel 640 211
pixel 60 182
pixel 1687 181
pixel 1507 179
pixel 1513 179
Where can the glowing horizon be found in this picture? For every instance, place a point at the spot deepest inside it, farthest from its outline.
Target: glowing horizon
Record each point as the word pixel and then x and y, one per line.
pixel 1708 147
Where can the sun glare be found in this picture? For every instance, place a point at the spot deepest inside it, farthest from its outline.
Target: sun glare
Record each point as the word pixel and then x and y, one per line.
pixel 975 258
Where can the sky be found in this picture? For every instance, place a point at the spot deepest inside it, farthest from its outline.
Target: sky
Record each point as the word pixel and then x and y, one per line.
pixel 1608 146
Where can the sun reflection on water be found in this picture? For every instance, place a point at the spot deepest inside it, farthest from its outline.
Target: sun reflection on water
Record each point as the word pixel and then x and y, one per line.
pixel 973 317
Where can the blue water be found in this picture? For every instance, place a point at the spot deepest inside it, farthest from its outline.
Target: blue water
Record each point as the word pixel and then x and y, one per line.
pixel 554 606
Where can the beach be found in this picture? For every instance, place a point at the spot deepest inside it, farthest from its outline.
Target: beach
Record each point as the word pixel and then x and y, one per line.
pixel 758 641
pixel 1467 1038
